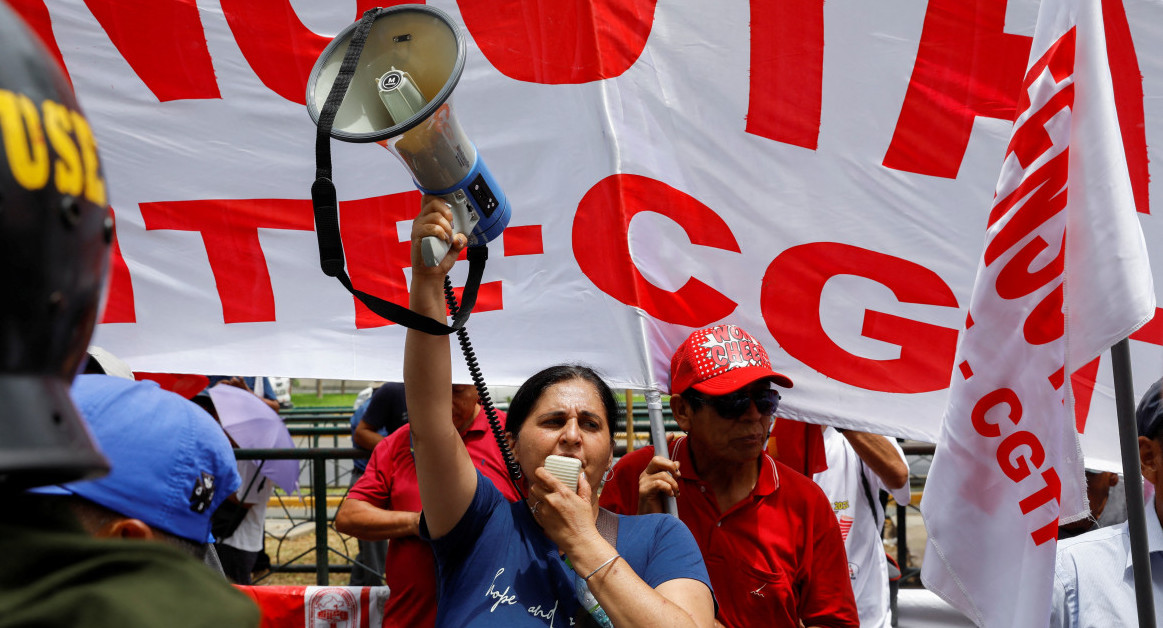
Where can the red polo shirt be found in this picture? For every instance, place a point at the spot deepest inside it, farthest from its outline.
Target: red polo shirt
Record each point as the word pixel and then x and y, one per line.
pixel 390 483
pixel 775 559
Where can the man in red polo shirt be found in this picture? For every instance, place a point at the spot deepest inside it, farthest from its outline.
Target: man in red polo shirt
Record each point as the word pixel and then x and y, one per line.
pixel 385 504
pixel 767 533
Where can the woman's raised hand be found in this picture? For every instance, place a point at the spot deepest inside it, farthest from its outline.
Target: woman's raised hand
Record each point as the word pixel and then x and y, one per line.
pixel 435 220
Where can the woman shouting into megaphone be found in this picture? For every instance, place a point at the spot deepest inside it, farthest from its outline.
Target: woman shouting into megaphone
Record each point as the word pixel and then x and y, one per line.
pixel 543 561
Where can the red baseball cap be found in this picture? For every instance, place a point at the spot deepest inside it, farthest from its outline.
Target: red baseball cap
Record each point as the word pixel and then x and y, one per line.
pixel 719 360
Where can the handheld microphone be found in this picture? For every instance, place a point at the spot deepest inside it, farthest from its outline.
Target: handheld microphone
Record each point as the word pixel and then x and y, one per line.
pixel 564 469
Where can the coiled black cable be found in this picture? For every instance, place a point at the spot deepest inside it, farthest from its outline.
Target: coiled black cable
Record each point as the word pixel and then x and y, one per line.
pixel 478 380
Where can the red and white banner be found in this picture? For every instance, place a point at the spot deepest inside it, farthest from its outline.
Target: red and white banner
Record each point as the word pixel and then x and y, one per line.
pixel 1064 275
pixel 318 607
pixel 816 172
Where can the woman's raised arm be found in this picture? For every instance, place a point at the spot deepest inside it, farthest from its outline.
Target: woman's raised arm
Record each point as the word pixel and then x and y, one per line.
pixel 444 469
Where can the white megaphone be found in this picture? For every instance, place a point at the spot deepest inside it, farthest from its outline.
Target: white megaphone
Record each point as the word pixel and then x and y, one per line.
pixel 411 60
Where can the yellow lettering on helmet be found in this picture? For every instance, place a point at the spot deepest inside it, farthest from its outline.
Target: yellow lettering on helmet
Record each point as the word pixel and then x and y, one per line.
pixel 24 142
pixel 94 184
pixel 68 174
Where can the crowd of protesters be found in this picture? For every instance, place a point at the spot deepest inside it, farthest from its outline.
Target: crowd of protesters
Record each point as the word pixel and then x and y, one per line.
pixel 125 505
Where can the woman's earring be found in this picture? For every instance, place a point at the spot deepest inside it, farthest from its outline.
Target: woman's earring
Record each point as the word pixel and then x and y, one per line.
pixel 606 477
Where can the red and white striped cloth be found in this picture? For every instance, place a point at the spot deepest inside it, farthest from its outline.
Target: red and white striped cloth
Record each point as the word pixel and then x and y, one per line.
pixel 319 607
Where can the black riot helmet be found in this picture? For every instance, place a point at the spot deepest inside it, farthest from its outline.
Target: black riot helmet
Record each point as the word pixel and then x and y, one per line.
pixel 55 235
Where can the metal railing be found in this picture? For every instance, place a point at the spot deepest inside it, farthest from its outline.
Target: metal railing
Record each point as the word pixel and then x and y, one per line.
pixel 318 496
pixel 321 425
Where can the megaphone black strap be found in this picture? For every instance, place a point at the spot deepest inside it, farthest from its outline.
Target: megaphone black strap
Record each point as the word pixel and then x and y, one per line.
pixel 403 316
pixel 326 205
pixel 338 91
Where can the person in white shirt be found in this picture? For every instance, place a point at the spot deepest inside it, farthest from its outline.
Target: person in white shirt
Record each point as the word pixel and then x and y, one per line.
pixel 239 551
pixel 860 466
pixel 1094 580
pixel 239 524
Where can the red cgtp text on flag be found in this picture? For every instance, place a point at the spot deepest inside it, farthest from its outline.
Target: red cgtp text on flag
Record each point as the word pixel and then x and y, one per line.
pixel 1024 215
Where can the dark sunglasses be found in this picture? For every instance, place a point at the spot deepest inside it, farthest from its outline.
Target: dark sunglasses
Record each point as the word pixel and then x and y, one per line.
pixel 732 406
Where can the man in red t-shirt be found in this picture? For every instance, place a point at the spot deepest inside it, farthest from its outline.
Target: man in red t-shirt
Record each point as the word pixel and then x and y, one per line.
pixel 385 504
pixel 767 533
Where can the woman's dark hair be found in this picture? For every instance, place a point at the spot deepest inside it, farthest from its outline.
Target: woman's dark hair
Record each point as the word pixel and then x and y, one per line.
pixel 530 392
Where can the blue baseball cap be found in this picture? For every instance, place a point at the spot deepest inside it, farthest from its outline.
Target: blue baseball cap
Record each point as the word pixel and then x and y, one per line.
pixel 172 463
pixel 1149 414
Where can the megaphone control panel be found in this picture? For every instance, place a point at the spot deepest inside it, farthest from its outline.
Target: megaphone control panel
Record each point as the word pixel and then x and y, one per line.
pixel 477 211
pixel 483 195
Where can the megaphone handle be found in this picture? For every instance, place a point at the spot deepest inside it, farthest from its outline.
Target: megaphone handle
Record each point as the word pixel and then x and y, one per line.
pixel 433 249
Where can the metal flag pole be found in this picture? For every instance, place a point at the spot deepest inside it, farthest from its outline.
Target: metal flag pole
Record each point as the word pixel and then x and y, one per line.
pixel 658 438
pixel 630 436
pixel 654 411
pixel 1133 481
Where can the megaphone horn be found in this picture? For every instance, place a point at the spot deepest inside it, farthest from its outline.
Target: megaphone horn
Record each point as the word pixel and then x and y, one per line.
pixel 399 91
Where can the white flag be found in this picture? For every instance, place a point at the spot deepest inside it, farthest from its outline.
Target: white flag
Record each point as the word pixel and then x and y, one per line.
pixel 1064 275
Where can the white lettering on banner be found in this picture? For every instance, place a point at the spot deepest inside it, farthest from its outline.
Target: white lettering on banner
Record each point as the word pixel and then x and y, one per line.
pixel 731 349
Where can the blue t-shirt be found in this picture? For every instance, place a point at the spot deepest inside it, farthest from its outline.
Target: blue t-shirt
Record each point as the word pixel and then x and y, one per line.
pixel 361 463
pixel 386 410
pixel 497 568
